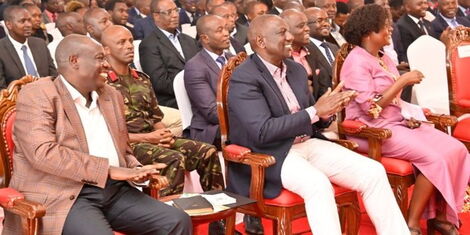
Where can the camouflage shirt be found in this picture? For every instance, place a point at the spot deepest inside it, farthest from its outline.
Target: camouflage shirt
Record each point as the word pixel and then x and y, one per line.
pixel 141 110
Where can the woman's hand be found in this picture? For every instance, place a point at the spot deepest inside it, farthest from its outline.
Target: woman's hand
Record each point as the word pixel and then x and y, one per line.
pixel 411 78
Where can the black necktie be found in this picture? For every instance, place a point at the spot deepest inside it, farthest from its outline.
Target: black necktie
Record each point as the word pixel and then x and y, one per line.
pixel 421 26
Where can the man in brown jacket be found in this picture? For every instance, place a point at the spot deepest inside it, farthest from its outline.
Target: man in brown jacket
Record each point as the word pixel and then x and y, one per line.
pixel 72 154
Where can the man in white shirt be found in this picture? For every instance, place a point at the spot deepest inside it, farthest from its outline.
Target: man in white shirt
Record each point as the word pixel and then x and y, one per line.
pixel 80 155
pixel 20 54
pixel 96 21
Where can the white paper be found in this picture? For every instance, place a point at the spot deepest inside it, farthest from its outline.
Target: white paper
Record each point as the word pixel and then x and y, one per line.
pixel 412 111
pixel 219 199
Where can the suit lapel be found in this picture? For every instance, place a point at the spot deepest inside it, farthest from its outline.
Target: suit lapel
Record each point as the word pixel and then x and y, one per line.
pixel 167 43
pixel 415 30
pixel 270 80
pixel 14 55
pixel 321 58
pixel 72 114
pixel 107 109
pixel 210 62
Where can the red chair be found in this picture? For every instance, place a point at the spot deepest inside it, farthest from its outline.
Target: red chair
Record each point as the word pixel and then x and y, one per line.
pixel 10 199
pixel 287 206
pixel 400 172
pixel 459 82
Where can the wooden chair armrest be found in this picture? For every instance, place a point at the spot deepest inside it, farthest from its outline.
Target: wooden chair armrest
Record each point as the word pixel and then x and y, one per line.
pixel 368 132
pixel 27 209
pixel 347 144
pixel 442 121
pixel 157 183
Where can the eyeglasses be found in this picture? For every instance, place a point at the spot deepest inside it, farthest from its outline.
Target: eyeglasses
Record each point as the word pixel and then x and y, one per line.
pixel 319 21
pixel 168 12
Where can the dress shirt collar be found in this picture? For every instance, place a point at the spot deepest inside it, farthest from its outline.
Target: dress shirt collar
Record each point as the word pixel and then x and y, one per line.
pixel 463 9
pixel 50 14
pixel 232 34
pixel 215 56
pixel 17 45
pixel 273 69
pixel 77 97
pixel 335 27
pixel 316 42
pixel 170 35
pixel 416 20
pixel 278 10
pixel 449 20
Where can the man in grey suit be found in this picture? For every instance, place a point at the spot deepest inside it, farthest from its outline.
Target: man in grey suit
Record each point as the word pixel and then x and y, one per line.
pixel 238 32
pixel 21 54
pixel 164 53
pixel 324 52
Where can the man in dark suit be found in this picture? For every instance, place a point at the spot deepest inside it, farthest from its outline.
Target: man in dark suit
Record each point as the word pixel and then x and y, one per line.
pixel 96 21
pixel 165 51
pixel 118 10
pixel 324 52
pixel 188 12
pixel 271 112
pixel 447 17
pixel 277 7
pixel 464 8
pixel 140 10
pixel 329 6
pixel 238 32
pixel 21 55
pixel 411 26
pixel 144 27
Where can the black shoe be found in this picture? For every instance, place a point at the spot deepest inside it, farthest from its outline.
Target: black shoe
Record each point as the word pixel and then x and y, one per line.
pixel 253 225
pixel 218 228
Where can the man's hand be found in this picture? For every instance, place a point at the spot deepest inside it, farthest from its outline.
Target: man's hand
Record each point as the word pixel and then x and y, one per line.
pixel 134 174
pixel 156 167
pixel 159 136
pixel 333 101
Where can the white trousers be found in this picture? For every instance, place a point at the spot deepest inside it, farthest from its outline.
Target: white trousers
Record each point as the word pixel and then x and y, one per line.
pixel 310 167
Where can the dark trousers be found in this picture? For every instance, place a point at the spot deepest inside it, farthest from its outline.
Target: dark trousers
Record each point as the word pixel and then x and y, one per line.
pixel 120 207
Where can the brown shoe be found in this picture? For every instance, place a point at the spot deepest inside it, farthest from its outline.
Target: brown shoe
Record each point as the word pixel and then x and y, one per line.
pixel 443 227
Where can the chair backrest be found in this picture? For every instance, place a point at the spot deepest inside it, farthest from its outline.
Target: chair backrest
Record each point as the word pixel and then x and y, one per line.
pixel 189 30
pixel 137 55
pixel 8 99
pixel 182 99
pixel 222 94
pixel 434 70
pixel 458 58
pixel 341 55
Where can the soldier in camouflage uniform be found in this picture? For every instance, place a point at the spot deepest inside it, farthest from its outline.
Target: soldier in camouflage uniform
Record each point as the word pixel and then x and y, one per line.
pixel 149 138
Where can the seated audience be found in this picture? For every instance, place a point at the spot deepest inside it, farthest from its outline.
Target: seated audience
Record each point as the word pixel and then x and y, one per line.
pixel 67 23
pixel 188 12
pixel 308 3
pixel 329 6
pixel 411 26
pixel 150 139
pixel 464 8
pixel 288 128
pixel 39 29
pixel 237 32
pixel 446 17
pixel 242 7
pixel 140 10
pixel 277 7
pixel 76 6
pixel 53 8
pixel 96 21
pixel 342 14
pixel 21 54
pixel 83 170
pixel 442 163
pixel 254 9
pixel 118 9
pixel 165 51
pixel 324 52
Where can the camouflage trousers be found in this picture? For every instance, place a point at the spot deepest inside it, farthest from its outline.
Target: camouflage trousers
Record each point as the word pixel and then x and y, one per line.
pixel 185 155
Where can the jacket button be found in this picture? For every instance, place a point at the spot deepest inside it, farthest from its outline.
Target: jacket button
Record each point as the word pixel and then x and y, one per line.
pixel 72 197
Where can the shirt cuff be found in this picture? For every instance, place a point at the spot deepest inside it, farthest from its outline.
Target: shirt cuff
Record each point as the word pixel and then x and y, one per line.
pixel 312 112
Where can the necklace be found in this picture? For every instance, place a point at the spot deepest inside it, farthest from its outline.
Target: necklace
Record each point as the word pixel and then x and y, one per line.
pixel 385 67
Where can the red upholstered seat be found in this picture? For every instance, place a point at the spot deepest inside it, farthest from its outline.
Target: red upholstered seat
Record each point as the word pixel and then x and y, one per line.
pixel 118 233
pixel 288 198
pixel 8 197
pixel 464 103
pixel 397 166
pixel 462 130
pixel 460 71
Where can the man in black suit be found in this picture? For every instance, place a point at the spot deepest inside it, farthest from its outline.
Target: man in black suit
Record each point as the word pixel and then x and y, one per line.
pixel 254 9
pixel 447 17
pixel 165 51
pixel 139 11
pixel 144 27
pixel 464 8
pixel 323 51
pixel 188 12
pixel 329 6
pixel 21 55
pixel 271 112
pixel 411 26
pixel 238 32
pixel 118 11
pixel 277 7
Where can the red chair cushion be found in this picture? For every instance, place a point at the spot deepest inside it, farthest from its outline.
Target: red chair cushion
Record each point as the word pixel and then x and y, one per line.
pixel 460 71
pixel 235 151
pixel 464 103
pixel 397 166
pixel 462 130
pixel 352 126
pixel 8 196
pixel 118 233
pixel 288 198
pixel 9 132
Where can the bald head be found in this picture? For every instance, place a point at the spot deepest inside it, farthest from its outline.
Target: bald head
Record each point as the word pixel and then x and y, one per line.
pixel 69 23
pixel 73 45
pixel 295 5
pixel 206 23
pixel 313 11
pixel 113 32
pixel 260 27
